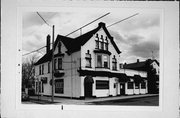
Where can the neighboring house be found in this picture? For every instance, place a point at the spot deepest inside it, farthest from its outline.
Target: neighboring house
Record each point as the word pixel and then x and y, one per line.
pixel 152 69
pixel 87 66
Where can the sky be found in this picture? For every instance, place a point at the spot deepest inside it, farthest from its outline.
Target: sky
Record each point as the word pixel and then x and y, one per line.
pixel 137 37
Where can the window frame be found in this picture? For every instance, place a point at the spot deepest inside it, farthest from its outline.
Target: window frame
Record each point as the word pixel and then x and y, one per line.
pixel 130 87
pixel 114 63
pixel 59 86
pixel 100 83
pixel 143 85
pixel 102 64
pixel 137 87
pixel 60 63
pixel 88 59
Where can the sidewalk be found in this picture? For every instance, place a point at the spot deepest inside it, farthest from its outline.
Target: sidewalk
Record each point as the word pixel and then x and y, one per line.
pixel 57 100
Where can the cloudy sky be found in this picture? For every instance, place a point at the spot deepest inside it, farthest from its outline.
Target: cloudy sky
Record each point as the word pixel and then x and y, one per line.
pixel 137 37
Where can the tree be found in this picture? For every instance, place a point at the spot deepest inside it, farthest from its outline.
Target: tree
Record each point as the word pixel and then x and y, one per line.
pixel 28 72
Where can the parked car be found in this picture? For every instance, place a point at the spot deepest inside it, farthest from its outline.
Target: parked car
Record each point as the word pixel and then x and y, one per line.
pixel 24 96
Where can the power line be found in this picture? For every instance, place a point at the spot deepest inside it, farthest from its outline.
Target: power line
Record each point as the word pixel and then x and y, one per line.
pixel 88 23
pixel 81 28
pixel 122 20
pixel 43 19
pixel 67 34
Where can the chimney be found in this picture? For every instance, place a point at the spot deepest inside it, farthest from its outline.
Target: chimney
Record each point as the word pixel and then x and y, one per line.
pixel 137 60
pixel 102 24
pixel 48 43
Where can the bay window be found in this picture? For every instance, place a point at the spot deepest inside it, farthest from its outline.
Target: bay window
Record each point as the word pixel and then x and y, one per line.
pixel 102 61
pixel 99 60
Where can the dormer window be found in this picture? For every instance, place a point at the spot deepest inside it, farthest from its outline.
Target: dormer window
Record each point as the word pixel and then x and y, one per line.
pixel 114 63
pixel 88 59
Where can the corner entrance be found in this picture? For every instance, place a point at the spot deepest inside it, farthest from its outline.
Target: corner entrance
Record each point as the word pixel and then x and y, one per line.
pixel 122 88
pixel 88 82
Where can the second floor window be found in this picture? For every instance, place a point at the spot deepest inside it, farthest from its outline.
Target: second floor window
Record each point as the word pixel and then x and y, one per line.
pixel 114 63
pixel 102 61
pixel 88 59
pixel 60 63
pixel 41 69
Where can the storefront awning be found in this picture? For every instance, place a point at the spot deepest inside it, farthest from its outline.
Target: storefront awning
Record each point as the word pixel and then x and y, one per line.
pixel 123 78
pixel 88 79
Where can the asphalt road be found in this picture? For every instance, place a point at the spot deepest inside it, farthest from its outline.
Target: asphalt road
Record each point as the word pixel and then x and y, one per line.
pixel 144 101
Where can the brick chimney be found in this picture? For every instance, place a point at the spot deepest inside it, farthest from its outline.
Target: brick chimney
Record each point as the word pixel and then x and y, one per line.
pixel 48 39
pixel 137 60
pixel 102 24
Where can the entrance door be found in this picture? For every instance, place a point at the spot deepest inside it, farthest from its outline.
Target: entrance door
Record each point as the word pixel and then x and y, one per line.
pixel 122 88
pixel 88 82
pixel 88 89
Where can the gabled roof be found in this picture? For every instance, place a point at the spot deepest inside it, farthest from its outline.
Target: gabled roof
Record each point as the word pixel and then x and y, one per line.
pixel 47 57
pixel 74 44
pixel 81 40
pixel 142 66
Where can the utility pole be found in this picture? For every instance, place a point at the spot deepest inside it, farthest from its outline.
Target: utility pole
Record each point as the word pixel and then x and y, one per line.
pixel 52 64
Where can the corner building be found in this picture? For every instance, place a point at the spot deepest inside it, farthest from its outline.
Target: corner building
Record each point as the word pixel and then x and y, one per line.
pixel 87 66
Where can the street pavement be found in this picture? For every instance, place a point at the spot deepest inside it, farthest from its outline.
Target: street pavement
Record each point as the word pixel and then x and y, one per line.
pixel 87 101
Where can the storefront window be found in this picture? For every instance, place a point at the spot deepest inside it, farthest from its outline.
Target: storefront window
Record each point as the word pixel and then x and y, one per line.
pixel 136 85
pixel 102 84
pixel 130 85
pixel 143 85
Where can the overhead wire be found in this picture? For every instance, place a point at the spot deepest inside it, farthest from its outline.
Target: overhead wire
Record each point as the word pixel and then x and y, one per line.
pixel 80 28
